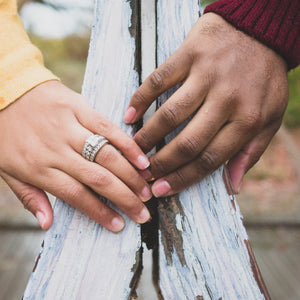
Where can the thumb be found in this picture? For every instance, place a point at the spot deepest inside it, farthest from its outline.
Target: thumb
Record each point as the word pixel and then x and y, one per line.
pixel 34 199
pixel 244 160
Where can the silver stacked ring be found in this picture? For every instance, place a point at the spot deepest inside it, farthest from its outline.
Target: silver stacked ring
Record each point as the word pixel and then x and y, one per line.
pixel 92 146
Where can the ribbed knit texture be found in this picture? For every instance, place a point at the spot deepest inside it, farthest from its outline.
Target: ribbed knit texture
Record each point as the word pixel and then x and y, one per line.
pixel 275 23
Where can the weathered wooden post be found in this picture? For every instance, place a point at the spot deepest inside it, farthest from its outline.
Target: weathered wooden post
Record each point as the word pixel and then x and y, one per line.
pixel 203 250
pixel 80 259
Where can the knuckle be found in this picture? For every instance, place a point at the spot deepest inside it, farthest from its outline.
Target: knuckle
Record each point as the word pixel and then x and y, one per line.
pixel 99 179
pixel 157 78
pixel 169 116
pixel 74 191
pixel 62 103
pixel 103 125
pixel 187 100
pixel 143 139
pixel 27 198
pixel 253 121
pixel 139 98
pixel 134 208
pixel 210 75
pixel 134 180
pixel 230 93
pixel 158 167
pixel 107 154
pixel 182 103
pixel 189 146
pixel 129 146
pixel 101 215
pixel 206 163
pixel 180 178
pixel 250 122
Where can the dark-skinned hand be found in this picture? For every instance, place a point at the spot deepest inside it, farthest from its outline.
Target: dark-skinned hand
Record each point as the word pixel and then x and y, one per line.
pixel 237 90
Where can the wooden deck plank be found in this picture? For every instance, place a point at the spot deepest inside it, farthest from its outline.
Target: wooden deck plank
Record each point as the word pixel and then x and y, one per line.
pixel 264 242
pixel 278 255
pixel 23 263
pixel 17 252
pixel 8 246
pixel 12 258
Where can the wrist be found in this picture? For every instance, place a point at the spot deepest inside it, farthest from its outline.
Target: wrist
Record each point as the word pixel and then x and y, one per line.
pixel 275 23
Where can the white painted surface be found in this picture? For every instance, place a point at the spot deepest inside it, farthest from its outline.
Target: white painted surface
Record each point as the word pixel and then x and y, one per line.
pixel 217 263
pixel 146 289
pixel 148 43
pixel 80 259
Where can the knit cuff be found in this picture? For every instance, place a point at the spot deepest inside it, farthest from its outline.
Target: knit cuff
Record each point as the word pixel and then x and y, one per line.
pixel 275 23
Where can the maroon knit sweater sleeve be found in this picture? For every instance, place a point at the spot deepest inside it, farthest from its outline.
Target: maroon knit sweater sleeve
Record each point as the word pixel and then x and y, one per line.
pixel 276 23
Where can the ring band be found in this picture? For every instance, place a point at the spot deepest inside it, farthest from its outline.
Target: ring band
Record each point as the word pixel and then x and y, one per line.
pixel 92 146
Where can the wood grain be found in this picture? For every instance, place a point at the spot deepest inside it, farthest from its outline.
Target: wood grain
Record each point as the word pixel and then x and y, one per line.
pixel 203 245
pixel 80 259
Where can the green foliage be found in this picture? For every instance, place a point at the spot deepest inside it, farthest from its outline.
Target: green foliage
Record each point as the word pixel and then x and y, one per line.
pixel 206 2
pixel 66 58
pixel 292 116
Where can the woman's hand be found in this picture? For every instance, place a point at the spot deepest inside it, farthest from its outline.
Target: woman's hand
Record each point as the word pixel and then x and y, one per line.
pixel 236 90
pixel 42 136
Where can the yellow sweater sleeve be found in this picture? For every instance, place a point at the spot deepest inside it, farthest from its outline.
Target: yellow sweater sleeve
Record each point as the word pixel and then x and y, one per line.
pixel 21 63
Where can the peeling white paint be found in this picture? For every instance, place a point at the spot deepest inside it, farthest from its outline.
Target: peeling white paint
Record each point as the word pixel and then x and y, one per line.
pixel 80 259
pixel 217 260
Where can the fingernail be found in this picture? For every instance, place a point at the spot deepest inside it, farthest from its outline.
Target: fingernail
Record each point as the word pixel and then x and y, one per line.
pixel 144 215
pixel 129 114
pixel 146 174
pixel 41 218
pixel 160 188
pixel 117 224
pixel 146 193
pixel 143 161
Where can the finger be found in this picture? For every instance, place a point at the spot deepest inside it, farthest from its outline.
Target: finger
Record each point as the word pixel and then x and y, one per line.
pixel 224 146
pixel 106 184
pixel 82 198
pixel 179 107
pixel 174 70
pixel 109 158
pixel 34 199
pixel 245 159
pixel 95 123
pixel 190 141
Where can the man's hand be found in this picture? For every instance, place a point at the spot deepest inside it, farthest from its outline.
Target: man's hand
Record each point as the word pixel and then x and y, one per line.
pixel 235 88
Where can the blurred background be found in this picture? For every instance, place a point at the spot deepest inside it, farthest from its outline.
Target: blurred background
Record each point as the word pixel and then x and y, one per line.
pixel 269 198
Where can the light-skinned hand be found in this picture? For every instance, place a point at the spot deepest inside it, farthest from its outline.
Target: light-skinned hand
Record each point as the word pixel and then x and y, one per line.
pixel 42 136
pixel 235 88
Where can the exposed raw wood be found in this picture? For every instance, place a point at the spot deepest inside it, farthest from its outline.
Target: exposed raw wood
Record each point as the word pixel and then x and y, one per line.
pixel 204 251
pixel 80 259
